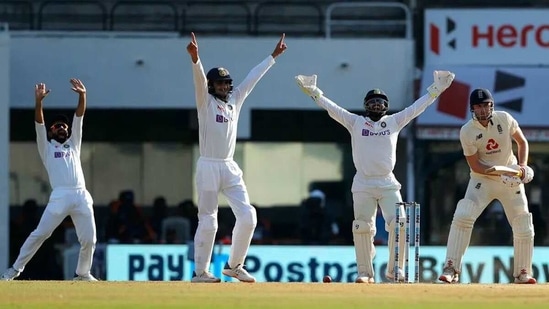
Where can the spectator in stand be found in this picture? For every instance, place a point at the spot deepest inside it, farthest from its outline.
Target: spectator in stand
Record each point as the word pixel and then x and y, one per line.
pixel 127 224
pixel 159 213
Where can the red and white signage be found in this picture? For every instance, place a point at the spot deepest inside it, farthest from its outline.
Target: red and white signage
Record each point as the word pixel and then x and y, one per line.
pixel 521 91
pixel 487 36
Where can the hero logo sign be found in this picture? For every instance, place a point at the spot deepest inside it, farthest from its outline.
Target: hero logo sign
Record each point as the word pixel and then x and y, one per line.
pixel 488 35
pixel 508 35
pixel 435 35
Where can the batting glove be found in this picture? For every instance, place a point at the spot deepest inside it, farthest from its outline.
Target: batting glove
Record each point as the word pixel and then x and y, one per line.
pixel 527 173
pixel 442 80
pixel 308 86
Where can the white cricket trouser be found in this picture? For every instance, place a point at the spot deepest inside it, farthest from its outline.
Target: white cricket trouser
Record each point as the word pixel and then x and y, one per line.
pixel 368 194
pixel 225 176
pixel 483 190
pixel 76 203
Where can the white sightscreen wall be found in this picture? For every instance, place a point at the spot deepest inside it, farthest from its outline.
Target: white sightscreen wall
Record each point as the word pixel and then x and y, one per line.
pixel 4 144
pixel 155 72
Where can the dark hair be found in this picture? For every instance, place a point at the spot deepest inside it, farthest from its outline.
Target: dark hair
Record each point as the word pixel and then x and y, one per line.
pixel 59 118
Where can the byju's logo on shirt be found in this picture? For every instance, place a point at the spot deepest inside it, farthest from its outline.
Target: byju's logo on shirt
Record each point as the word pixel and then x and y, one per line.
pixel 220 119
pixel 61 154
pixel 366 132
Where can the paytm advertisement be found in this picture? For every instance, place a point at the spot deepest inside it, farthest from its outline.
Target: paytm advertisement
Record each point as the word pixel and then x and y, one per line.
pixel 310 264
pixel 466 36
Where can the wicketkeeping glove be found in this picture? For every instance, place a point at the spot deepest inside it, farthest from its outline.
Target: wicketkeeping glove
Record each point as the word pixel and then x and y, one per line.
pixel 442 80
pixel 308 86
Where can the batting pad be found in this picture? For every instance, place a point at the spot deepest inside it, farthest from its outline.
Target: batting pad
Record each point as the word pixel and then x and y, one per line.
pixel 363 236
pixel 460 231
pixel 523 243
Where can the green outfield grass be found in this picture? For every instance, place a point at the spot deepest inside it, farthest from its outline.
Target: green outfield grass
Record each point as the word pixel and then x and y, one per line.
pixel 68 294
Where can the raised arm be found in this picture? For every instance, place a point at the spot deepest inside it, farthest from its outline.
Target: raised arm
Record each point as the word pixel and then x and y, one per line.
pixel 40 93
pixel 442 80
pixel 78 87
pixel 248 84
pixel 76 129
pixel 199 78
pixel 339 114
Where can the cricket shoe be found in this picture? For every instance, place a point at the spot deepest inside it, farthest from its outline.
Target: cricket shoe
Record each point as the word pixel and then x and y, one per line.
pixel 449 274
pixel 88 277
pixel 364 278
pixel 239 273
pixel 525 278
pixel 205 277
pixel 10 274
pixel 391 275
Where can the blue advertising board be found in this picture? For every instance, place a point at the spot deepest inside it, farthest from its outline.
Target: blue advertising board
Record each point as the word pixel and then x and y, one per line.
pixel 310 263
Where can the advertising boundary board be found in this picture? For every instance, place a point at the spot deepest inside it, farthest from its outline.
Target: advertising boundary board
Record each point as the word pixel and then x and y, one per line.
pixel 466 37
pixel 310 263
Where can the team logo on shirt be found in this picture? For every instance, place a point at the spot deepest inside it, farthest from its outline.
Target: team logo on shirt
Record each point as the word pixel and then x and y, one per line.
pixel 221 119
pixel 492 146
pixel 479 136
pixel 500 130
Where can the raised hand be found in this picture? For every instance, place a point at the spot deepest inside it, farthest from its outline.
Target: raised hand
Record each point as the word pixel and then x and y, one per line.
pixel 192 48
pixel 307 84
pixel 77 86
pixel 280 46
pixel 442 80
pixel 40 91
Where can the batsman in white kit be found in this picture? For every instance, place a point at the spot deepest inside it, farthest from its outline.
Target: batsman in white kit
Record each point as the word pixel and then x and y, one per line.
pixel 218 105
pixel 374 141
pixel 487 141
pixel 59 150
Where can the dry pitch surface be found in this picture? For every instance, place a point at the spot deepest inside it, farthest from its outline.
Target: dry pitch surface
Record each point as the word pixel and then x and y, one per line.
pixel 68 294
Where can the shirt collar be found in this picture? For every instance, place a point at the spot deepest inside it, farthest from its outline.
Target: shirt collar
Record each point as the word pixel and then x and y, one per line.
pixel 56 143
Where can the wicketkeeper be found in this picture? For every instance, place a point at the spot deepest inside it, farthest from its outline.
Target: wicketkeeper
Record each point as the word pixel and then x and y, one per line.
pixel 374 141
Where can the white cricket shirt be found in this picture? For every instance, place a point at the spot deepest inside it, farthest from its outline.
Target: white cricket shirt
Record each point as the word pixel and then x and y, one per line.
pixel 493 143
pixel 374 143
pixel 62 161
pixel 217 120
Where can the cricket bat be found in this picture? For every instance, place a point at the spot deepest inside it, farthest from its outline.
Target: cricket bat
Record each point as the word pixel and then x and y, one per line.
pixel 503 170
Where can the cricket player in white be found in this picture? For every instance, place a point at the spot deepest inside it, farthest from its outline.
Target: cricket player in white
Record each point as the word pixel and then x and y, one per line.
pixel 219 106
pixel 374 140
pixel 69 197
pixel 487 141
